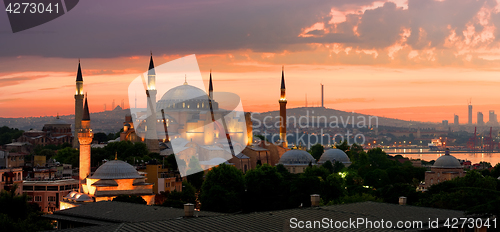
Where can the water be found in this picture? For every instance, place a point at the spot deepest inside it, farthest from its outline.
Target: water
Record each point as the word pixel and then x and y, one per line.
pixel 427 155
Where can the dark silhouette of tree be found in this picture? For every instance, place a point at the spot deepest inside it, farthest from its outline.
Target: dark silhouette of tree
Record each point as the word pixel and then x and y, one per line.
pixel 178 199
pixel 16 214
pixel 317 150
pixel 195 173
pixel 264 189
pixel 130 199
pixel 223 189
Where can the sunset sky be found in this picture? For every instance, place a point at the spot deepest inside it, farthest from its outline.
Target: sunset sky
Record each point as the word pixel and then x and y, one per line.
pixel 414 60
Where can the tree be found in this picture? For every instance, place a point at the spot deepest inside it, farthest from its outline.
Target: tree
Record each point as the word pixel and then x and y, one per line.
pixel 223 189
pixel 100 137
pixel 334 187
pixel 317 150
pixel 171 162
pixel 68 155
pixel 8 134
pixel 130 199
pixel 343 146
pixel 264 189
pixel 329 166
pixel 195 173
pixel 178 199
pixel 16 214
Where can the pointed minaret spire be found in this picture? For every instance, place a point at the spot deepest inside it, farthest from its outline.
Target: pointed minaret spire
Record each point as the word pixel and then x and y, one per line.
pixel 79 76
pixel 185 79
pixel 210 86
pixel 283 77
pixel 86 114
pixel 151 66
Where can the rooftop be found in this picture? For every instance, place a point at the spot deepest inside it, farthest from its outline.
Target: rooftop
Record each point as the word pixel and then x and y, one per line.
pixel 144 218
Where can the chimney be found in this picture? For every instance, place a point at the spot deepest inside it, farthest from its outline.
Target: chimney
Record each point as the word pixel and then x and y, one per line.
pixel 315 200
pixel 402 200
pixel 188 210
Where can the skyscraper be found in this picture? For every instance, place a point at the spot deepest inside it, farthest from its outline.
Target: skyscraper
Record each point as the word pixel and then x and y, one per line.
pixel 492 117
pixel 455 119
pixel 470 114
pixel 480 118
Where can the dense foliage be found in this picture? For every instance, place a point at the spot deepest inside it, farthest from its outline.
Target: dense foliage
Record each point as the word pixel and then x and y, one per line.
pixel 16 214
pixel 130 199
pixel 8 134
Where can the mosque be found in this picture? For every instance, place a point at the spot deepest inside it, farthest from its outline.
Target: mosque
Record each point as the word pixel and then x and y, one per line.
pixel 111 179
pixel 445 168
pixel 178 121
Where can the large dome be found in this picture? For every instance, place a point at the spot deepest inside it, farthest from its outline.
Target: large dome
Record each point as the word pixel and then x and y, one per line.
pixel 116 169
pixel 447 161
pixel 333 155
pixel 297 157
pixel 183 93
pixel 57 121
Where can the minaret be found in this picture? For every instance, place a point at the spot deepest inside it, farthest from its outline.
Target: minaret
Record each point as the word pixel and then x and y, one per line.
pixel 78 105
pixel 151 136
pixel 85 136
pixel 282 102
pixel 210 87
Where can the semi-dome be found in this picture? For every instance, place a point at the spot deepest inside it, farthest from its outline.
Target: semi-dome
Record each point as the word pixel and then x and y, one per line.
pixel 296 157
pixel 447 161
pixel 184 92
pixel 333 155
pixel 116 169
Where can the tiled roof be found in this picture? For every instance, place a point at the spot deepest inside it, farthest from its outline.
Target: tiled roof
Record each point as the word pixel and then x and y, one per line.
pixel 113 211
pixel 280 220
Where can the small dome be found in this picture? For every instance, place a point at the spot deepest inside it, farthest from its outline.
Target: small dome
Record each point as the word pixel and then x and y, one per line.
pixel 447 161
pixel 116 169
pixel 333 155
pixel 183 93
pixel 297 157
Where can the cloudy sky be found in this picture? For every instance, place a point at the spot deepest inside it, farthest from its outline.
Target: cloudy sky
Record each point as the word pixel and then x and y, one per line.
pixel 414 60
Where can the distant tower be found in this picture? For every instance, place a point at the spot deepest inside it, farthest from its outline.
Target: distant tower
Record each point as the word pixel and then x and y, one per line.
pixel 322 97
pixel 123 104
pixel 151 136
pixel 455 119
pixel 78 104
pixel 470 113
pixel 480 118
pixel 85 136
pixel 282 102
pixel 113 105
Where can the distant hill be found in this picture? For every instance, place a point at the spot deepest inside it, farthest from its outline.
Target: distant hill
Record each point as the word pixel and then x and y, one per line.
pixel 112 121
pixel 107 121
pixel 328 113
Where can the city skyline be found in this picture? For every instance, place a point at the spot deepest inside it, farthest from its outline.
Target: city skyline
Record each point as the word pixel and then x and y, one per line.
pixel 410 68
